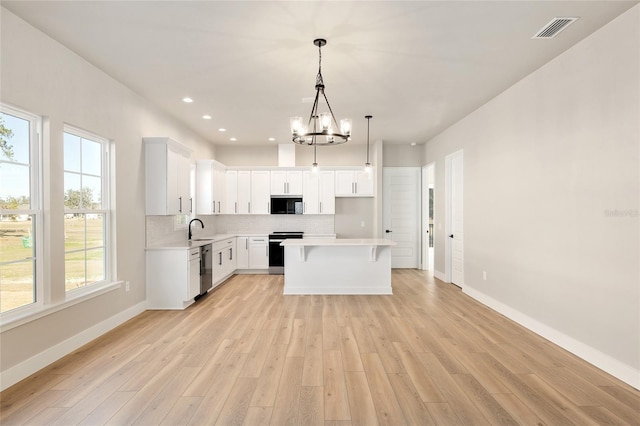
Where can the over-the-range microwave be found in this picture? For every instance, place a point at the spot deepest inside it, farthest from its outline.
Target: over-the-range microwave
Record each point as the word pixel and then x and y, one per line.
pixel 286 205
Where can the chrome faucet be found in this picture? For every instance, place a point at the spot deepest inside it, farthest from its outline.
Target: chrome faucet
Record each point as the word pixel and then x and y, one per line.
pixel 194 220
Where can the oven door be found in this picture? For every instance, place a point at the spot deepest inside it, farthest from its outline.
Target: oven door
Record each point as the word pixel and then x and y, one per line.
pixel 276 256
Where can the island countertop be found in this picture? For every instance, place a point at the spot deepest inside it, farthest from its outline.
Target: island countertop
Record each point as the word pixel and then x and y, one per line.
pixel 306 242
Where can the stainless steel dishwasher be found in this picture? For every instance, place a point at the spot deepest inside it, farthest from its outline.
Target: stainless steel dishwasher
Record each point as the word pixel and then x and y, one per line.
pixel 206 269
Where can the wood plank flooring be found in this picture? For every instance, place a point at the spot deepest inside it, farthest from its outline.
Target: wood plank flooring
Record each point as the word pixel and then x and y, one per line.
pixel 246 354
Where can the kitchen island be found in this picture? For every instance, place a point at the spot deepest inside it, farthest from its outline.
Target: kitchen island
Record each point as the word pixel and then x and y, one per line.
pixel 337 266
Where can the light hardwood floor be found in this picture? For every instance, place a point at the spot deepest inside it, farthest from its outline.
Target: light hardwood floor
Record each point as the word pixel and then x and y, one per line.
pixel 246 354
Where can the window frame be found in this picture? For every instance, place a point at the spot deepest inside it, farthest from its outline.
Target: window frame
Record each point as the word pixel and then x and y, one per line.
pixel 106 196
pixel 35 210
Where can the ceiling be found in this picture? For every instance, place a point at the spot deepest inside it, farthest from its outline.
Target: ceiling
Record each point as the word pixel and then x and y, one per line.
pixel 416 66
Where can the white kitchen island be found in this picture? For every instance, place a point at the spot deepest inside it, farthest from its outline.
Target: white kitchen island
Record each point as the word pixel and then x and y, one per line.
pixel 337 266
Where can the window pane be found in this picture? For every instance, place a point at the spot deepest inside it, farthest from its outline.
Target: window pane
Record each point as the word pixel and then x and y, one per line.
pixel 74 232
pixel 74 270
pixel 14 186
pixel 95 265
pixel 95 230
pixel 91 192
pixel 16 240
pixel 16 132
pixel 91 157
pixel 71 152
pixel 72 194
pixel 16 285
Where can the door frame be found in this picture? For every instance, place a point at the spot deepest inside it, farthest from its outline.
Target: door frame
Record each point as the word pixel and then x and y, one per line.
pixel 448 213
pixel 428 178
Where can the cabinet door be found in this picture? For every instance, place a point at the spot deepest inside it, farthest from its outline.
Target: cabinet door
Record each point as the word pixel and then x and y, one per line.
pixel 244 191
pixel 204 187
pixel 327 194
pixel 364 183
pixel 218 265
pixel 294 182
pixel 231 184
pixel 260 191
pixel 242 253
pixel 258 255
pixel 219 190
pixel 231 258
pixel 310 192
pixel 278 182
pixel 194 278
pixel 174 159
pixel 184 185
pixel 345 183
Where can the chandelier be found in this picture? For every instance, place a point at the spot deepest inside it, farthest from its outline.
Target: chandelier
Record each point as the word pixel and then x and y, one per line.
pixel 320 129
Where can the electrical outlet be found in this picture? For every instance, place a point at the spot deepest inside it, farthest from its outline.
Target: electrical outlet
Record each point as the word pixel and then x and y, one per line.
pixel 127 286
pixel 484 275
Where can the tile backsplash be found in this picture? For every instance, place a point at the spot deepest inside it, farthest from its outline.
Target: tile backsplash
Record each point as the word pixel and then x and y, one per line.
pixel 162 230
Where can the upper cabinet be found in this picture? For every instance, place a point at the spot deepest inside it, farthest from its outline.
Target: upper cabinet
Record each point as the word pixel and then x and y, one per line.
pixel 354 183
pixel 211 187
pixel 167 183
pixel 286 182
pixel 318 193
pixel 238 183
pixel 260 192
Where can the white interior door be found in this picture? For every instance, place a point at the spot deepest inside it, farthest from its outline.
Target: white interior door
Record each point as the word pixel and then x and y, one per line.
pixel 455 215
pixel 401 214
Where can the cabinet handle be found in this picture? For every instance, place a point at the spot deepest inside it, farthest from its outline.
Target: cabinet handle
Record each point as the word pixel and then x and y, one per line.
pixel 246 244
pixel 284 187
pixel 214 206
pixel 320 206
pixel 249 206
pixel 218 206
pixel 220 260
pixel 231 253
pixel 180 205
pixel 190 205
pixel 236 206
pixel 268 208
pixel 356 185
pixel 267 250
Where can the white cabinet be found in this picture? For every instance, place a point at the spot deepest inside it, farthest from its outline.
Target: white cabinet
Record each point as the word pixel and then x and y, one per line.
pixel 318 192
pixel 211 187
pixel 354 183
pixel 167 189
pixel 242 253
pixel 224 260
pixel 258 252
pixel 248 192
pixel 173 277
pixel 260 192
pixel 286 182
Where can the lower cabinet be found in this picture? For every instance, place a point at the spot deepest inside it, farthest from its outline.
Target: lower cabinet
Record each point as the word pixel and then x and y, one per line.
pixel 173 277
pixel 252 252
pixel 224 260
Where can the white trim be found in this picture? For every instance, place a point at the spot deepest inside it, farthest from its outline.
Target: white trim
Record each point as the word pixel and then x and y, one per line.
pixel 616 368
pixel 26 368
pixel 20 317
pixel 440 275
pixel 336 290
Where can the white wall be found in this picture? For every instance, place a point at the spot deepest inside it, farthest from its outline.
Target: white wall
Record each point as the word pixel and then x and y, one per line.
pixel 45 78
pixel 551 187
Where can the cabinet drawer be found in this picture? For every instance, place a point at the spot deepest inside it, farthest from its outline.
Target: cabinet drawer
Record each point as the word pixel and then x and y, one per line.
pixel 220 245
pixel 258 240
pixel 194 253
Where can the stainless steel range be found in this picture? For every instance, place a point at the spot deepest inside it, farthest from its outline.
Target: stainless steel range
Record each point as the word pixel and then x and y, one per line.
pixel 276 251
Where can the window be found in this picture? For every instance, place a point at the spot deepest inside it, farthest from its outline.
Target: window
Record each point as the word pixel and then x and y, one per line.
pixel 86 202
pixel 20 210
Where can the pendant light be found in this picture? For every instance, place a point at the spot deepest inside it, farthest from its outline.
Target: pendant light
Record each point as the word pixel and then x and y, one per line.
pixel 367 165
pixel 320 128
pixel 314 166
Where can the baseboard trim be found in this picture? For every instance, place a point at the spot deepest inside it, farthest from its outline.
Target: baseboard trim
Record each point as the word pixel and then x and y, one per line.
pixel 21 371
pixel 439 275
pixel 289 291
pixel 618 369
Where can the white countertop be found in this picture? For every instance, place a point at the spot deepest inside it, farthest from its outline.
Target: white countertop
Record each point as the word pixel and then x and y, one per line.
pixel 200 241
pixel 336 242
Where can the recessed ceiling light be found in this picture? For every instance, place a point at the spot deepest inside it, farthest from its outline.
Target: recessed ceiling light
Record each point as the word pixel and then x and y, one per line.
pixel 413 144
pixel 233 139
pixel 222 130
pixel 206 117
pixel 272 139
pixel 187 100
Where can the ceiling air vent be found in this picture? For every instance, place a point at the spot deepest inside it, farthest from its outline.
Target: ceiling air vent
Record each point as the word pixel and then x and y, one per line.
pixel 554 27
